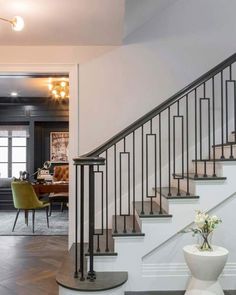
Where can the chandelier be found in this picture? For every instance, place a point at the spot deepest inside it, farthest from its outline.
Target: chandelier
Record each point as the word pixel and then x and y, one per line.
pixel 59 89
pixel 17 23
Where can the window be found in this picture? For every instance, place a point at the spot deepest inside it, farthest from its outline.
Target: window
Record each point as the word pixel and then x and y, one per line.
pixel 13 150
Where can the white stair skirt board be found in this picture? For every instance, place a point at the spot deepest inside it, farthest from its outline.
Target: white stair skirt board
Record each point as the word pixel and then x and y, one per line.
pixel 116 291
pixel 155 261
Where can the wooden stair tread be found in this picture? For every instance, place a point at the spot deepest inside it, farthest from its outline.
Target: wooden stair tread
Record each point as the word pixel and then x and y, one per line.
pixel 174 193
pixel 147 208
pixel 200 176
pixel 131 230
pixel 225 144
pixel 216 160
pixel 104 280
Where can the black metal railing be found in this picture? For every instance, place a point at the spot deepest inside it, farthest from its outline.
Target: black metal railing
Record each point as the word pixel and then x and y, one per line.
pixel 161 150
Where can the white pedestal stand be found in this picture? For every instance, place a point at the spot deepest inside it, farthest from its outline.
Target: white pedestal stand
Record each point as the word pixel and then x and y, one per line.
pixel 205 266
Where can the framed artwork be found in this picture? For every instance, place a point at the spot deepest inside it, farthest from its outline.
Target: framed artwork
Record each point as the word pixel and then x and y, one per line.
pixel 59 142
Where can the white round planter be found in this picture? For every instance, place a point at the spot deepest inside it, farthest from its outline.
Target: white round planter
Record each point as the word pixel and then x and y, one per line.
pixel 205 266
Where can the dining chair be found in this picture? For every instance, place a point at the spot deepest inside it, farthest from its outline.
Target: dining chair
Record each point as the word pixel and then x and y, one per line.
pixel 25 198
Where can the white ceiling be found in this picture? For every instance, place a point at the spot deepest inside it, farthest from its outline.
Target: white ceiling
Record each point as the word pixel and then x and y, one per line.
pixel 63 22
pixel 138 12
pixel 76 22
pixel 70 22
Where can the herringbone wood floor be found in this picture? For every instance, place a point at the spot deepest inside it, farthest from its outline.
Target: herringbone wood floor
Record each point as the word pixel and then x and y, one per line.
pixel 28 265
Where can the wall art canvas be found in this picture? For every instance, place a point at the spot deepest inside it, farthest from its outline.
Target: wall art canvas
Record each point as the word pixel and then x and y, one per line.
pixel 59 143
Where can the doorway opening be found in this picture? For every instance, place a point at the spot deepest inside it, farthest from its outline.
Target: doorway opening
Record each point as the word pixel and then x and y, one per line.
pixel 34 147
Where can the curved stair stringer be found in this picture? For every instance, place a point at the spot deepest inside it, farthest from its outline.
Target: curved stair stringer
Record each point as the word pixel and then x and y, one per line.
pixel 132 250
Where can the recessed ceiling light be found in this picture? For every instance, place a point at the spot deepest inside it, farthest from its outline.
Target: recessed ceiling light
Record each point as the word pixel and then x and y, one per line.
pixel 14 94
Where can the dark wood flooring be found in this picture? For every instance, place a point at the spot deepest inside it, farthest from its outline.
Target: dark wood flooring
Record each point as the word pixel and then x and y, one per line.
pixel 28 265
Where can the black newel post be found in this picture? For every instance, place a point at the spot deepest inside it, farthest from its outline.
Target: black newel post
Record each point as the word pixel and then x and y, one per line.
pixel 82 223
pixel 76 222
pixel 82 162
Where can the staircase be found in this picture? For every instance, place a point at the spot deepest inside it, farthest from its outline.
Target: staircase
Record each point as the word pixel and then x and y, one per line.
pixel 144 184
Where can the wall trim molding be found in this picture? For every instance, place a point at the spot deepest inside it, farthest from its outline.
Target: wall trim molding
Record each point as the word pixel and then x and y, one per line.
pixel 179 269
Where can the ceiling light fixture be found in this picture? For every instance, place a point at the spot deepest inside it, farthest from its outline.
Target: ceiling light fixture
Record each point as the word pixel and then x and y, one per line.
pixel 59 89
pixel 14 94
pixel 17 23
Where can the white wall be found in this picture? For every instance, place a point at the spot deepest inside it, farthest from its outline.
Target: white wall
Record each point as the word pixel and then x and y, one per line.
pixel 160 58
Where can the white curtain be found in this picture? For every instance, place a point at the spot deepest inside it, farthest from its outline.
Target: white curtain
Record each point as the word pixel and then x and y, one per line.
pixel 14 131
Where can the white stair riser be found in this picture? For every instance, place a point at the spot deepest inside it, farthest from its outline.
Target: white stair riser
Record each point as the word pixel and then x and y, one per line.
pixel 183 185
pixel 231 137
pixel 209 168
pixel 116 291
pixel 164 202
pixel 227 152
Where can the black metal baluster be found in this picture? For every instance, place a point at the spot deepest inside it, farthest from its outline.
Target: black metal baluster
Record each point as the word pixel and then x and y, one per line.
pixel 169 159
pixel 107 204
pixel 142 167
pixel 226 112
pixel 147 168
pixel 76 223
pixel 91 272
pixel 209 129
pixel 160 172
pixel 155 165
pixel 125 229
pixel 195 114
pixel 102 209
pixel 98 244
pixel 227 106
pixel 81 221
pixel 205 170
pixel 231 152
pixel 129 173
pixel 222 116
pixel 182 147
pixel 213 127
pixel 128 214
pixel 134 229
pixel 151 209
pixel 178 177
pixel 200 127
pixel 187 147
pixel 115 189
pixel 234 111
pixel 174 152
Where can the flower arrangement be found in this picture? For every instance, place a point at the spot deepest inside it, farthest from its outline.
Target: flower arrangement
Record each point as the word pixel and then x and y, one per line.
pixel 205 225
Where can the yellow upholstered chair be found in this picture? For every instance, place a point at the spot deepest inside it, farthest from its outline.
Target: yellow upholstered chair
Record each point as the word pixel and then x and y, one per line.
pixel 25 198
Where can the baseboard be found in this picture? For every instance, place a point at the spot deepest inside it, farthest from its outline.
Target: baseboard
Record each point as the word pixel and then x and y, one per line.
pixel 230 292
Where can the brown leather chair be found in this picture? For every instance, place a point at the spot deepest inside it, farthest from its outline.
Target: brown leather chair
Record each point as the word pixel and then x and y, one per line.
pixel 60 174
